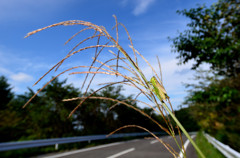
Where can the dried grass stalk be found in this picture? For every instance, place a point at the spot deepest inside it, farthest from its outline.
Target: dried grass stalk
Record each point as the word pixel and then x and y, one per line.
pixel 126 68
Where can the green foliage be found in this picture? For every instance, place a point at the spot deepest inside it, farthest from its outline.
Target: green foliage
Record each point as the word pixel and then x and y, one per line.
pixel 44 118
pixel 47 114
pixel 187 120
pixel 207 148
pixel 213 37
pixel 93 115
pixel 7 125
pixel 216 107
pixel 5 91
pixel 55 109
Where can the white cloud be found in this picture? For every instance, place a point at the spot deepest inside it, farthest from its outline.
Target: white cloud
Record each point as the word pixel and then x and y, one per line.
pixel 4 71
pixel 142 6
pixel 18 81
pixel 21 77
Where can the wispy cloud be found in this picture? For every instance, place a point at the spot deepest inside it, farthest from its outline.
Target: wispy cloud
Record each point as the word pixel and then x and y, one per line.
pixel 21 77
pixel 142 6
pixel 4 71
pixel 18 81
pixel 20 71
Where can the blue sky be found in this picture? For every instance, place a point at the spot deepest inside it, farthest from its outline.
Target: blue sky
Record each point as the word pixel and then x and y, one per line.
pixel 149 23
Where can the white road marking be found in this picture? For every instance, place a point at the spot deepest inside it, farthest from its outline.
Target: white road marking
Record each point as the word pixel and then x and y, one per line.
pixel 154 141
pixel 185 146
pixel 83 150
pixel 121 153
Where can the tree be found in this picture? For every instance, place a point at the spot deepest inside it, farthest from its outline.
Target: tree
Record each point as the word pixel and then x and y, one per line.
pixel 45 117
pixel 188 121
pixel 94 114
pixel 216 109
pixel 49 114
pixel 10 118
pixel 5 91
pixel 213 37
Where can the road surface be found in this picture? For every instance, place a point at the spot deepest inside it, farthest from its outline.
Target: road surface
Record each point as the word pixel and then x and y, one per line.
pixel 138 148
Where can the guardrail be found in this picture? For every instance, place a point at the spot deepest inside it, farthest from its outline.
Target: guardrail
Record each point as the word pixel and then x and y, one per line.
pixel 55 141
pixel 224 149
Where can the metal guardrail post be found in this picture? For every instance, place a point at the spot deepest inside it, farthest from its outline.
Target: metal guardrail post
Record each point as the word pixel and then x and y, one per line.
pixel 224 149
pixel 56 146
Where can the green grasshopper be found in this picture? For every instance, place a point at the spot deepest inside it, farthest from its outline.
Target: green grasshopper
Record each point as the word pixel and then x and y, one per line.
pixel 159 90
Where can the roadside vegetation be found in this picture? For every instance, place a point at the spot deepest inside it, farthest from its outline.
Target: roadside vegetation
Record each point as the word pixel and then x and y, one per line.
pixel 213 39
pixel 207 148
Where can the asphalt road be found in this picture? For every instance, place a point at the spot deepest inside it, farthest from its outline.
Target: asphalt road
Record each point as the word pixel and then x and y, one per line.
pixel 138 148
